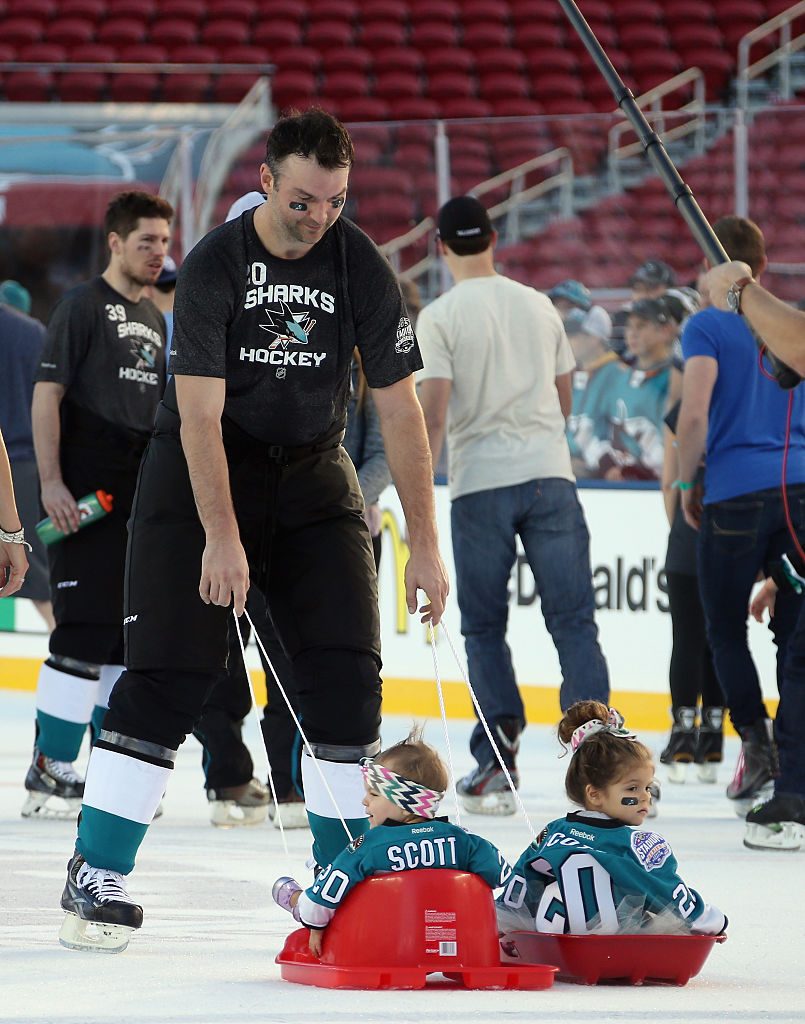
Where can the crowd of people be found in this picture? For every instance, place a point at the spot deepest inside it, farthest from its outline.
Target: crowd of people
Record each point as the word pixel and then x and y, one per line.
pixel 178 491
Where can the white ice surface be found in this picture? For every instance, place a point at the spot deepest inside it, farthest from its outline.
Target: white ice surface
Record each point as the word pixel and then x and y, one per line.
pixel 205 954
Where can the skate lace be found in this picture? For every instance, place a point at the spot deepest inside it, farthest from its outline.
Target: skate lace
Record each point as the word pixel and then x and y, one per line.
pixel 63 771
pixel 106 886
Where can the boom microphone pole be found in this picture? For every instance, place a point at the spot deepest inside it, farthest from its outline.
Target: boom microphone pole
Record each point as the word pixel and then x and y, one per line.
pixel 658 157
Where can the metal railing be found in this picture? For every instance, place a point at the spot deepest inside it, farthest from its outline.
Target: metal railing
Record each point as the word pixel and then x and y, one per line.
pixel 782 55
pixel 653 100
pixel 511 207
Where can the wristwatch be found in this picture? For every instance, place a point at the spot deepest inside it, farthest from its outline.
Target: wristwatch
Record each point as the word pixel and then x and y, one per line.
pixel 734 293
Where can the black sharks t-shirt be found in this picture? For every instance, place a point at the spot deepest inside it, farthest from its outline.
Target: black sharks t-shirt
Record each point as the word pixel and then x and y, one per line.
pixel 108 353
pixel 281 332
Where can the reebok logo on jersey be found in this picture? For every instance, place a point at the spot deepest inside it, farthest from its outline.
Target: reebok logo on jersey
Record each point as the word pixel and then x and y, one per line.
pixel 581 835
pixel 405 337
pixel 650 848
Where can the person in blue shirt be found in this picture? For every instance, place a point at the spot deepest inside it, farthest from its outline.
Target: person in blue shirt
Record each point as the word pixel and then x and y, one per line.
pixel 404 786
pixel 600 869
pixel 735 414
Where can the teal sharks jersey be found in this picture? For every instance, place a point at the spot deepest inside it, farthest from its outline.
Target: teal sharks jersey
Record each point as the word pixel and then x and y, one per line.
pixel 590 873
pixel 394 847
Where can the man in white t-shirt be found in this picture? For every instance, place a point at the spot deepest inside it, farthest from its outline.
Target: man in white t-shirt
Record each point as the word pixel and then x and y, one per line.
pixel 497 376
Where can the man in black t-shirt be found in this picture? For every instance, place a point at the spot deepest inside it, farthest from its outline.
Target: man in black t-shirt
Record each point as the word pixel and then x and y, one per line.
pixel 245 482
pixel 100 379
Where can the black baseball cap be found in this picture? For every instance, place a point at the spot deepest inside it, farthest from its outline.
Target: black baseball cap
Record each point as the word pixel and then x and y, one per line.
pixel 653 272
pixel 657 310
pixel 464 218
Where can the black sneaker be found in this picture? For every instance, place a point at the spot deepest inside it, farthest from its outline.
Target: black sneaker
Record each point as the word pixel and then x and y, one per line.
pixel 710 743
pixel 779 824
pixel 757 766
pixel 486 790
pixel 100 913
pixel 47 780
pixel 681 748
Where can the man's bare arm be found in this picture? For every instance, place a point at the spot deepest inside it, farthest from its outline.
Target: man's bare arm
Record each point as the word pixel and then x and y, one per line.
pixel 698 381
pixel 224 568
pixel 779 325
pixel 411 468
pixel 564 388
pixel 434 397
pixel 57 500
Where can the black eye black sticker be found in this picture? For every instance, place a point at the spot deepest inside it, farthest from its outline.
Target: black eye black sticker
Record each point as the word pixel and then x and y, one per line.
pixel 299 207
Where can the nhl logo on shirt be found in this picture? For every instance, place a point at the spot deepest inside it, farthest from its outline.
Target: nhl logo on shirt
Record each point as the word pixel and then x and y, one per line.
pixel 405 337
pixel 651 849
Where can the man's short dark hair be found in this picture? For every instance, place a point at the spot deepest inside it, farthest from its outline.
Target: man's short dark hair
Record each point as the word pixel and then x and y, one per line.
pixel 126 209
pixel 314 133
pixel 742 239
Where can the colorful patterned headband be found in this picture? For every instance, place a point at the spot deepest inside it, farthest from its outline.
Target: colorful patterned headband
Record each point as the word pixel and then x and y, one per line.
pixel 613 724
pixel 409 796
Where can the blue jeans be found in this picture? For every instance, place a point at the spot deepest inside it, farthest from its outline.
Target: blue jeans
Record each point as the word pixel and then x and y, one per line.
pixel 548 518
pixel 739 538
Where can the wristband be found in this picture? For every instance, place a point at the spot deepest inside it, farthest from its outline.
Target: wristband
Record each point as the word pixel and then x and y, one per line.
pixel 17 537
pixel 682 485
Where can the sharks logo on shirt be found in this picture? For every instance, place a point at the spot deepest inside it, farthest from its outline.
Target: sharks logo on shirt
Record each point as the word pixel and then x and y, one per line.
pixel 287 327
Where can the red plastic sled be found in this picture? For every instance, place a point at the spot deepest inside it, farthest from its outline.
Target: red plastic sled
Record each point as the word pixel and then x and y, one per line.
pixel 632 959
pixel 392 931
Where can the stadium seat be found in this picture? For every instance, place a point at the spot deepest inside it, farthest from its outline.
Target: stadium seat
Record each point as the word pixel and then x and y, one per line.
pixel 277 35
pixel 70 32
pixel 434 35
pixel 291 86
pixel 190 87
pixel 433 10
pixel 688 12
pixel 547 59
pixel 376 35
pixel 465 106
pixel 244 55
pixel 415 156
pixel 21 31
pixel 502 85
pixel 324 34
pixel 134 87
pixel 333 10
pixel 343 84
pixel 400 58
pixel 93 53
pixel 174 32
pixel 28 86
pixel 192 10
pixel 232 87
pixel 122 31
pixel 92 10
pixel 515 106
pixel 692 36
pixel 716 66
pixel 225 33
pixel 42 10
pixel 483 34
pixel 364 108
pixel 386 11
pixel 141 10
pixel 143 53
pixel 455 59
pixel 244 11
pixel 484 11
pixel 500 60
pixel 444 85
pixel 747 10
pixel 643 36
pixel 194 53
pixel 530 35
pixel 353 59
pixel 300 58
pixel 42 53
pixel 535 12
pixel 82 86
pixel 391 85
pixel 649 65
pixel 555 85
pixel 415 108
pixel 635 12
pixel 606 34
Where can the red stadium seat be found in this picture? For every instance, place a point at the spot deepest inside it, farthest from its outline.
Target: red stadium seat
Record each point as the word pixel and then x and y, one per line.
pixel 501 60
pixel 643 36
pixel 284 10
pixel 28 86
pixel 353 59
pixel 530 35
pixel 535 12
pixel 555 85
pixel 415 108
pixel 547 59
pixel 21 31
pixel 626 12
pixel 324 34
pixel 688 12
pixel 140 10
pixel 42 10
pixel 376 35
pixel 186 88
pixel 290 86
pixel 400 58
pixel 244 55
pixel 231 88
pixel 454 59
pixel 122 31
pixel 174 32
pixel 232 10
pixel 193 53
pixel 277 35
pixel 391 85
pixel 364 108
pixel 225 33
pixel 333 10
pixel 448 85
pixel 502 86
pixel 70 32
pixel 82 86
pixel 415 156
pixel 42 53
pixel 692 36
pixel 464 106
pixel 300 58
pixel 716 66
pixel 92 10
pixel 134 88
pixel 434 35
pixel 483 34
pixel 747 10
pixel 343 84
pixel 515 106
pixel 385 11
pixel 484 10
pixel 93 53
pixel 193 11
pixel 607 36
pixel 143 53
pixel 433 10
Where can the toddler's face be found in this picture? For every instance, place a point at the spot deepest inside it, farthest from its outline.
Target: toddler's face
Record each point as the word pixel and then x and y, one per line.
pixel 633 786
pixel 379 808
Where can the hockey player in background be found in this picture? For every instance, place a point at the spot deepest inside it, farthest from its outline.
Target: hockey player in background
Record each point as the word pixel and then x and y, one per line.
pixel 599 869
pixel 404 786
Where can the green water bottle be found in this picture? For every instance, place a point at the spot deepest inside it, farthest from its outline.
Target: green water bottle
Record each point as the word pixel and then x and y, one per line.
pixel 90 508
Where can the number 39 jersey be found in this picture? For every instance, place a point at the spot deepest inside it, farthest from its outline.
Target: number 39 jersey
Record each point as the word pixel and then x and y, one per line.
pixel 590 873
pixel 399 846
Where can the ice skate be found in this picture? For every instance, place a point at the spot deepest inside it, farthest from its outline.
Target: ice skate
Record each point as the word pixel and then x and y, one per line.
pixel 756 768
pixel 54 789
pixel 100 913
pixel 234 806
pixel 292 811
pixel 654 806
pixel 486 791
pixel 778 824
pixel 710 744
pixel 681 748
pixel 282 891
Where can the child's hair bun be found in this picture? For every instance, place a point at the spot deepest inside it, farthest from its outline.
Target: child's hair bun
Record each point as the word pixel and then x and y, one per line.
pixel 580 713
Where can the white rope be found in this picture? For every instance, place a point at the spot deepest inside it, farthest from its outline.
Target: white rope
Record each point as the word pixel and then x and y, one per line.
pixel 432 635
pixel 298 725
pixel 483 722
pixel 257 713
